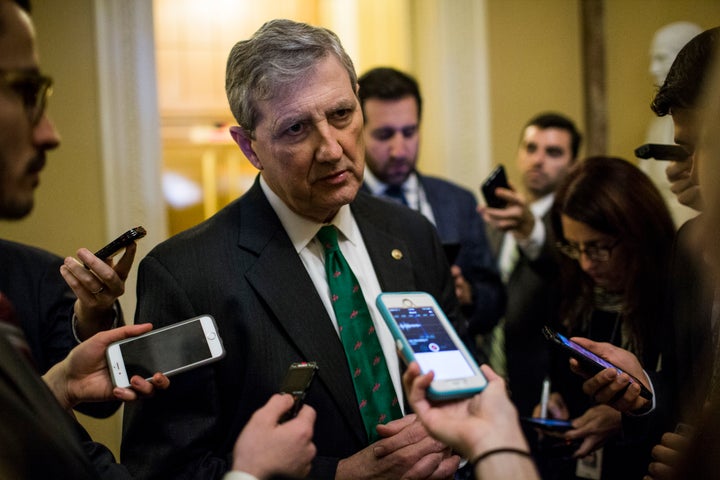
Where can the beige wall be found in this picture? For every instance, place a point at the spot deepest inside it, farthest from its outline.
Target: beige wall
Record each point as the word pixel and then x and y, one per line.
pixel 534 65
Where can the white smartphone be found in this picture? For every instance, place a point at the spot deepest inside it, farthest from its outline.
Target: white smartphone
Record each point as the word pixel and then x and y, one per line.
pixel 424 334
pixel 170 350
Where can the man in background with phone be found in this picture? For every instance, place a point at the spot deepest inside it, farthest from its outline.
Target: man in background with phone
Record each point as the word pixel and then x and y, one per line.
pixel 520 234
pixel 265 266
pixel 392 109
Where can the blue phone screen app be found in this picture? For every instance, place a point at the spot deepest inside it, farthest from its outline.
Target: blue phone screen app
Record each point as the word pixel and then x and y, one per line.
pixel 433 348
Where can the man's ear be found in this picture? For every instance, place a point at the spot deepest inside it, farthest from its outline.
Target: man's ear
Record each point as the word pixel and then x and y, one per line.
pixel 242 138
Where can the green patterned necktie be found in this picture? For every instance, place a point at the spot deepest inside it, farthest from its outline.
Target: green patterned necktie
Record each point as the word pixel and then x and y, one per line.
pixel 373 387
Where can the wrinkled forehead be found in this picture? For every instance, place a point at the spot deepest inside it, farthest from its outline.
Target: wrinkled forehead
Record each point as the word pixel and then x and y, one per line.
pixel 17 38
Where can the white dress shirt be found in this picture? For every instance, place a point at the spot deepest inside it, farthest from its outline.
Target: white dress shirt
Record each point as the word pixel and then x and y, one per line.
pixel 302 233
pixel 411 188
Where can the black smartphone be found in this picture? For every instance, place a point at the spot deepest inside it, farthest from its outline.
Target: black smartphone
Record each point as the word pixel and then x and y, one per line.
pixel 297 381
pixel 659 151
pixel 548 424
pixel 589 362
pixel 451 252
pixel 497 178
pixel 112 248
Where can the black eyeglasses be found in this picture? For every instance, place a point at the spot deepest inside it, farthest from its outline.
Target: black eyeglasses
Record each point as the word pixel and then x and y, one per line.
pixel 596 253
pixel 32 87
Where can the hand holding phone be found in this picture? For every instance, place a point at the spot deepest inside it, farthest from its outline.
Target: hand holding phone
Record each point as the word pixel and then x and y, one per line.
pixel 170 350
pixel 658 151
pixel 496 179
pixel 424 334
pixel 297 381
pixel 588 361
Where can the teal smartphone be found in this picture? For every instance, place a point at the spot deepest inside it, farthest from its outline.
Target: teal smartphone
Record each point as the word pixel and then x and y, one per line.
pixel 424 334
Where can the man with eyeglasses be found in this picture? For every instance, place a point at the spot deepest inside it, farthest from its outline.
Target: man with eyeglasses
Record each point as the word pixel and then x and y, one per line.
pixel 521 238
pixel 56 313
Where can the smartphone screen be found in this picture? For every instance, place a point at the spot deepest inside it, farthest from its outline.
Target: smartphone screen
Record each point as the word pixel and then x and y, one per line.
pixel 434 349
pixel 589 361
pixel 168 350
pixel 586 353
pixel 425 335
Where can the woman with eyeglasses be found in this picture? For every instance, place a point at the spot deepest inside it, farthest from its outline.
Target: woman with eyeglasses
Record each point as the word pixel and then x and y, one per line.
pixel 616 235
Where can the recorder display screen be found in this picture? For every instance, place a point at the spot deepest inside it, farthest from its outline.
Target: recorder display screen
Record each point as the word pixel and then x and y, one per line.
pixel 165 351
pixel 433 347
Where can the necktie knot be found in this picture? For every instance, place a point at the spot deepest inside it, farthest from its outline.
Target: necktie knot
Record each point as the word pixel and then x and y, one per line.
pixel 396 193
pixel 328 236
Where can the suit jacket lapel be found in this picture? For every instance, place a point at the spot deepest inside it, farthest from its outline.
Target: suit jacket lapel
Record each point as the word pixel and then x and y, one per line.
pixel 388 254
pixel 280 279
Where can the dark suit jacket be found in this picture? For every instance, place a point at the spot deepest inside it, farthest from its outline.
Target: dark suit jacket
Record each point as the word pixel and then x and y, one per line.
pixel 533 301
pixel 30 278
pixel 241 267
pixel 457 221
pixel 38 439
pixel 43 302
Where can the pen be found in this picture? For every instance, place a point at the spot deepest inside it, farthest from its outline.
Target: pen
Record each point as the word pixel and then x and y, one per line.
pixel 544 397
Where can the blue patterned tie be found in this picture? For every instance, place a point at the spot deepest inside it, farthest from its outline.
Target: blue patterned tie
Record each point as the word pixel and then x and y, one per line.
pixel 373 387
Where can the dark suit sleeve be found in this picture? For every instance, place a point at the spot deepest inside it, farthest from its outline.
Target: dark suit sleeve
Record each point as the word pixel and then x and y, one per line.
pixel 479 268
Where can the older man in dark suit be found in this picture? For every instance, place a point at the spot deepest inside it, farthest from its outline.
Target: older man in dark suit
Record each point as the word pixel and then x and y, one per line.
pixel 258 267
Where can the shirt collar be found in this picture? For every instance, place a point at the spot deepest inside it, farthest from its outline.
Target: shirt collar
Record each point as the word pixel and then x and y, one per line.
pixel 377 187
pixel 541 206
pixel 302 230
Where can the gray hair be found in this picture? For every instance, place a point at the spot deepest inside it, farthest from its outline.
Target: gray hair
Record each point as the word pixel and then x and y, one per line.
pixel 279 53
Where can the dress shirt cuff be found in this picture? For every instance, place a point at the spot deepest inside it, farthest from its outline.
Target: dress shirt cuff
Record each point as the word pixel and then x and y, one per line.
pixel 532 245
pixel 117 321
pixel 233 475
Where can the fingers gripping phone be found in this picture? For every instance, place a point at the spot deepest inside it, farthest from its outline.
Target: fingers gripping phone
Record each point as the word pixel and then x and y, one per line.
pixel 297 381
pixel 658 151
pixel 112 248
pixel 496 179
pixel 588 361
pixel 173 349
pixel 424 334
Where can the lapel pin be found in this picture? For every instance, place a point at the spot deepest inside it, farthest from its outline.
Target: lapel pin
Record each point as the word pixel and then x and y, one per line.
pixel 396 254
